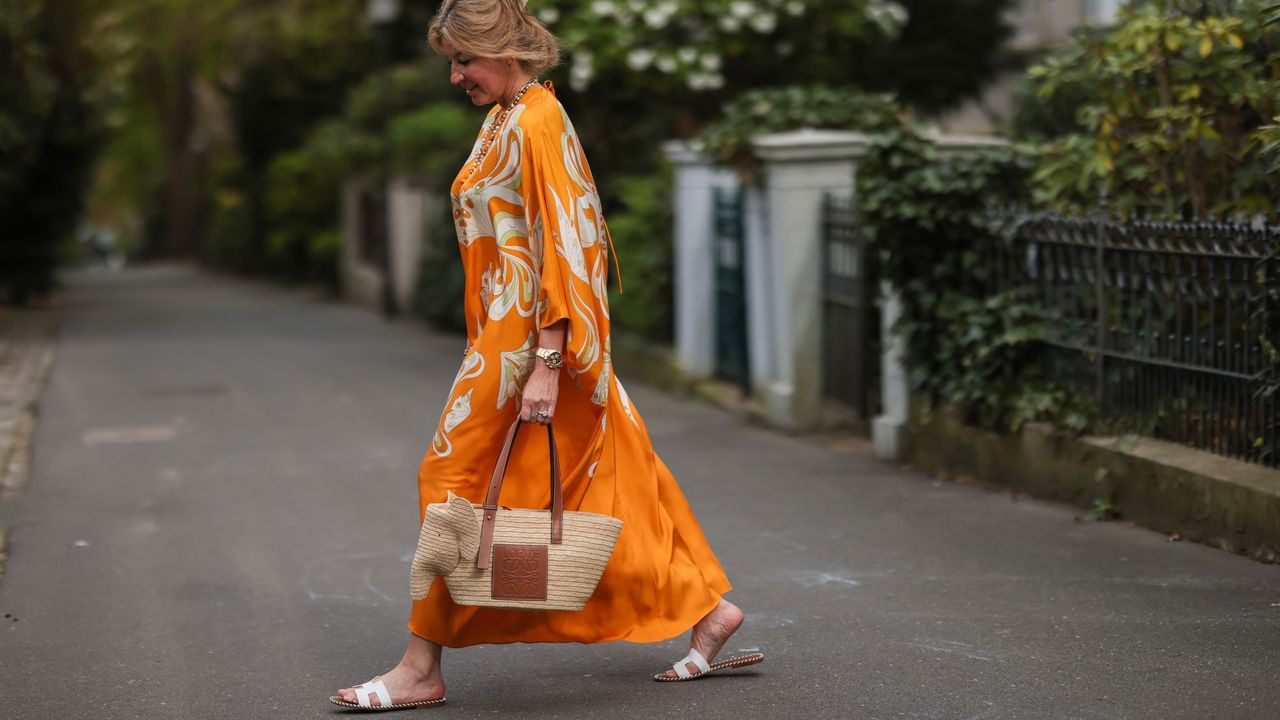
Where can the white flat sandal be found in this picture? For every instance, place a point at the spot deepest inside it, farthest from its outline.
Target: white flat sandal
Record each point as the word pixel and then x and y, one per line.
pixel 680 667
pixel 376 688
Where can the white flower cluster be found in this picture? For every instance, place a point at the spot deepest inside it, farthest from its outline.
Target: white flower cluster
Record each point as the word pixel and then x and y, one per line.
pixel 701 69
pixel 888 15
pixel 761 17
pixel 581 70
pixel 659 15
pixel 683 38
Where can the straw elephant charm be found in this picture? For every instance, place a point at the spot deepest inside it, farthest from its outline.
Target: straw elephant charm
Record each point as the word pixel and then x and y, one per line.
pixel 450 534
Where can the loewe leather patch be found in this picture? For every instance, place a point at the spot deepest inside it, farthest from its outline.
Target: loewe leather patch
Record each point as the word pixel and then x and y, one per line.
pixel 519 572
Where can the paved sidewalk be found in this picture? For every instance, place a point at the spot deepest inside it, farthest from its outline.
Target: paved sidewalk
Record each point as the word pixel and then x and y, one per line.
pixel 26 356
pixel 222 503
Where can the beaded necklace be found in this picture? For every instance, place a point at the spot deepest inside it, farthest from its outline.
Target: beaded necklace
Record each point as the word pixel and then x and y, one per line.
pixel 491 133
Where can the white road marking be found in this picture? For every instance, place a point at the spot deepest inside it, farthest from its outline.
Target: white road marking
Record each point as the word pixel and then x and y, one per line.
pixel 951 647
pixel 129 435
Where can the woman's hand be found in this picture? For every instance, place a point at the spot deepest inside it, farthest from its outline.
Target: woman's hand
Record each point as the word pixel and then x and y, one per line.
pixel 539 395
pixel 538 401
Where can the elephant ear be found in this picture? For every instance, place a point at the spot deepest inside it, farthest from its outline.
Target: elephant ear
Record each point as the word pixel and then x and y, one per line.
pixel 463 518
pixel 437 551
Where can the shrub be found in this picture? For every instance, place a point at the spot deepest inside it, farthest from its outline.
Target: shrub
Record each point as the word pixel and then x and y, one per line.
pixel 1171 100
pixel 433 142
pixel 302 201
pixel 440 295
pixel 641 232
pixel 777 109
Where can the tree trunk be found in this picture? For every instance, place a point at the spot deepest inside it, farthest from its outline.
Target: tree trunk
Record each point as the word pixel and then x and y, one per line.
pixel 170 77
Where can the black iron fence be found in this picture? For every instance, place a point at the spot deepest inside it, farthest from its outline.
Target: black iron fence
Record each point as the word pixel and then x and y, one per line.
pixel 850 317
pixel 1160 322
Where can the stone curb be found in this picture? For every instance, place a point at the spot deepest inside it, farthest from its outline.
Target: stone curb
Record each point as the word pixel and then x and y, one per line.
pixel 1186 493
pixel 1180 491
pixel 27 344
pixel 655 365
pixel 638 360
pixel 15 453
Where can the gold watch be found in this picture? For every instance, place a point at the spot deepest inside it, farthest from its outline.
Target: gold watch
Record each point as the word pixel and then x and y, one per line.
pixel 552 358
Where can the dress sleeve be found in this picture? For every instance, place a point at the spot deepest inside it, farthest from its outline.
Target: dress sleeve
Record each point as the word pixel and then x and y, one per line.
pixel 562 210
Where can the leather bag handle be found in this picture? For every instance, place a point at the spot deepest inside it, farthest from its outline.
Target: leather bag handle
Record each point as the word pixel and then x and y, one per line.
pixel 495 489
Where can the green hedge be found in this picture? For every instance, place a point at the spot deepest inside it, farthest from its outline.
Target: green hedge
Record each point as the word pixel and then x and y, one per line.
pixel 756 112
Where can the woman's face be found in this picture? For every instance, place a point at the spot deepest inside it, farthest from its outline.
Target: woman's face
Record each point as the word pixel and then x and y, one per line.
pixel 486 80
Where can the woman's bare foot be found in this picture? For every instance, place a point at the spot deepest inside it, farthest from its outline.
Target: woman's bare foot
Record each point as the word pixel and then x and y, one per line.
pixel 416 678
pixel 712 632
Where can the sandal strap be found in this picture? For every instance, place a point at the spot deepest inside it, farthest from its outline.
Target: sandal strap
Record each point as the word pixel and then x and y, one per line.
pixel 378 688
pixel 694 657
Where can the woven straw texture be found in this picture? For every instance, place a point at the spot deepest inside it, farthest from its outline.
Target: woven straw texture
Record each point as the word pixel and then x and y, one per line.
pixel 450 540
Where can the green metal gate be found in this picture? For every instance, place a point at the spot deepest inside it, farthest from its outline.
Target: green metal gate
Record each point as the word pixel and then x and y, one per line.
pixel 731 289
pixel 846 307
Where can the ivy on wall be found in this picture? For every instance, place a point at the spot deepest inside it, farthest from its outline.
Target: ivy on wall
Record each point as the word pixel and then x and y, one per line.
pixel 927 214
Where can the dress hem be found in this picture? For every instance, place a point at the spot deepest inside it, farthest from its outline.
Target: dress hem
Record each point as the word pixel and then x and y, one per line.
pixel 642 637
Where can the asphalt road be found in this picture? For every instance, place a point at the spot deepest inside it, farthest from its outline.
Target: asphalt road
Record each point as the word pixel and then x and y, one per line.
pixel 223 499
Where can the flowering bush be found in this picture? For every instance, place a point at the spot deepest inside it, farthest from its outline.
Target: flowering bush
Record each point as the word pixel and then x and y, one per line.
pixel 696 42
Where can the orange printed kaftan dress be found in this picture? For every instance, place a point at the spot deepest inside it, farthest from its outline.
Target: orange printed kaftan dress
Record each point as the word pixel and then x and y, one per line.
pixel 535 251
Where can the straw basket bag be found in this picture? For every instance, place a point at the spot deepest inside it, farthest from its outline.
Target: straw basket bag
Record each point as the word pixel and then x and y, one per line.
pixel 518 559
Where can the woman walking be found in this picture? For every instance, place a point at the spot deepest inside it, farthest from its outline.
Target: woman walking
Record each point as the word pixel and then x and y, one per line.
pixel 535 250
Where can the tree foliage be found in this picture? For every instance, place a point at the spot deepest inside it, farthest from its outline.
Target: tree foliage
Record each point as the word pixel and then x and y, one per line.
pixel 203 94
pixel 49 132
pixel 1268 324
pixel 945 53
pixel 1172 104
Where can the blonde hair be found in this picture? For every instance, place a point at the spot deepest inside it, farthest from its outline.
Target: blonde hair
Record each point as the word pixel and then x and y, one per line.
pixel 497 29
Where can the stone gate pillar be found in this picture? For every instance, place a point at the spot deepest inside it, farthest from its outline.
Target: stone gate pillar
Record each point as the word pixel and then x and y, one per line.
pixel 694 257
pixel 800 168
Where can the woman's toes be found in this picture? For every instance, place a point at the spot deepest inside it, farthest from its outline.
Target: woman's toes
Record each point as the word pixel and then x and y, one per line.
pixel 693 670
